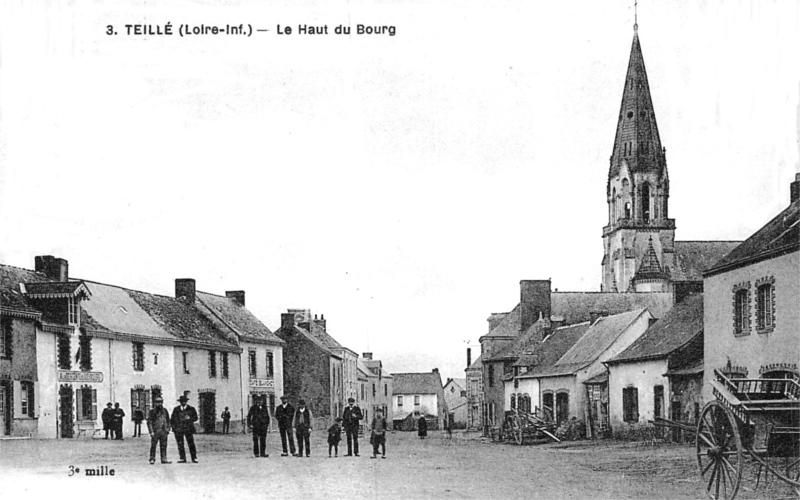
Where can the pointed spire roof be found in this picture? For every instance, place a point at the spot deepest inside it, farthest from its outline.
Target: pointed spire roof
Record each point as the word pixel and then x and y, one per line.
pixel 637 141
pixel 650 268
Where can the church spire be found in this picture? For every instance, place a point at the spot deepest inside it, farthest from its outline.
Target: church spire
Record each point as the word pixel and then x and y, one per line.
pixel 637 142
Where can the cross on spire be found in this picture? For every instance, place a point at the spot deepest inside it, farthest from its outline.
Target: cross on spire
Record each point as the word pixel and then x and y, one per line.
pixel 635 15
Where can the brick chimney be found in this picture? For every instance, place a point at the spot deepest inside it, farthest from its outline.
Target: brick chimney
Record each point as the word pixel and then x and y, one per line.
pixel 321 323
pixel 236 296
pixel 534 300
pixel 287 320
pixel 367 355
pixel 794 189
pixel 435 370
pixel 469 357
pixel 185 288
pixel 52 267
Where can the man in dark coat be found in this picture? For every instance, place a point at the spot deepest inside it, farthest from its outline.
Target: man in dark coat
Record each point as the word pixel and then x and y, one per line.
pixel 108 420
pixel 182 421
pixel 158 427
pixel 258 420
pixel 285 416
pixel 138 416
pixel 352 415
pixel 303 423
pixel 119 415
pixel 422 427
pixel 226 421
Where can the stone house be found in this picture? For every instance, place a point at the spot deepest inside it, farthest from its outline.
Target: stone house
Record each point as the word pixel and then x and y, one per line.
pixel 376 390
pixel 750 310
pixel 455 393
pixel 474 378
pixel 418 394
pixel 312 370
pixel 561 385
pixel 654 376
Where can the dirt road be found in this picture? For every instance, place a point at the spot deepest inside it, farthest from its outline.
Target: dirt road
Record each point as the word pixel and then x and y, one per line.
pixel 462 467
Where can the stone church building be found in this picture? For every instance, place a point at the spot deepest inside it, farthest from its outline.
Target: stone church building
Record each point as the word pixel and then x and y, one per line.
pixel 640 250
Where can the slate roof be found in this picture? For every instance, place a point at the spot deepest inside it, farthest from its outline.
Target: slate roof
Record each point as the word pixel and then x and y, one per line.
pixel 525 341
pixel 324 337
pixel 682 323
pixel 779 236
pixel 237 317
pixel 552 348
pixel 11 298
pixel 650 268
pixel 477 364
pixel 597 339
pixel 417 383
pixel 113 309
pixel 460 382
pixel 313 339
pixel 509 326
pixel 575 307
pixel 694 257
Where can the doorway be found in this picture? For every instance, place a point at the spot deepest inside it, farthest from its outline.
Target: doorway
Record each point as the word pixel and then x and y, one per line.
pixel 208 412
pixel 562 407
pixel 65 399
pixel 5 410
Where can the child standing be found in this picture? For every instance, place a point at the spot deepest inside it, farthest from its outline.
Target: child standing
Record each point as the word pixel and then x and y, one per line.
pixel 334 436
pixel 378 434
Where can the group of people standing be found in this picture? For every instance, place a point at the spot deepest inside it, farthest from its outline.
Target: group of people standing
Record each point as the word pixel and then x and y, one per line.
pixel 112 421
pixel 181 422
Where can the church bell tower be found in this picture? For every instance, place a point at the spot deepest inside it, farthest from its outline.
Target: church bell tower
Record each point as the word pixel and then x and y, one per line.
pixel 639 239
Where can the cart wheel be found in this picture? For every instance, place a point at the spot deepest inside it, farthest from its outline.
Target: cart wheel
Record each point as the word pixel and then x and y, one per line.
pixel 719 451
pixel 516 429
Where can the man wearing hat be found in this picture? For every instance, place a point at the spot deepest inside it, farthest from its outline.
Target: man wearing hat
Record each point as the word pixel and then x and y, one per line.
pixel 108 418
pixel 183 419
pixel 352 415
pixel 285 414
pixel 303 423
pixel 258 420
pixel 158 427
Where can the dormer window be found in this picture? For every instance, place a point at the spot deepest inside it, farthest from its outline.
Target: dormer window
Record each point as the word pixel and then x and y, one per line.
pixel 73 310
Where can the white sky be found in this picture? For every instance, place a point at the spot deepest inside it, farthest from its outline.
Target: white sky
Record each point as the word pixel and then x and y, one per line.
pixel 402 186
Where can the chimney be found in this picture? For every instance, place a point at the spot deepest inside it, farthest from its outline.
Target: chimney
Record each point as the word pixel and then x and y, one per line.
pixel 435 370
pixel 321 323
pixel 794 189
pixel 595 315
pixel 287 320
pixel 185 288
pixel 534 300
pixel 469 357
pixel 236 296
pixel 52 267
pixel 367 355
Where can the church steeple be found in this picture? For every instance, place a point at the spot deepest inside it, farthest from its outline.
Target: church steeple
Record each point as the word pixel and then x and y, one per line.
pixel 637 142
pixel 637 192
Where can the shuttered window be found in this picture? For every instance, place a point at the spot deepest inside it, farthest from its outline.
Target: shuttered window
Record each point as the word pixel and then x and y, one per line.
pixel 270 364
pixel 86 403
pixel 630 404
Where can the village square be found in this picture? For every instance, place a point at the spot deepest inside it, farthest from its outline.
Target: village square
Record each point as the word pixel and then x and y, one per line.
pixel 676 376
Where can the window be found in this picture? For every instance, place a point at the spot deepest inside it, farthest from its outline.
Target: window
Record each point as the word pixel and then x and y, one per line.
pixel 386 389
pixel 765 307
pixel 140 398
pixel 5 337
pixel 646 202
pixel 225 365
pixel 399 401
pixel 26 399
pixel 138 356
pixel 416 400
pixel 63 347
pixel 85 352
pixel 513 402
pixel 73 310
pixel 741 311
pixel 86 403
pixel 628 210
pixel 212 364
pixel 252 364
pixel 185 356
pixel 491 375
pixel 658 401
pixel 373 390
pixel 630 404
pixel 270 364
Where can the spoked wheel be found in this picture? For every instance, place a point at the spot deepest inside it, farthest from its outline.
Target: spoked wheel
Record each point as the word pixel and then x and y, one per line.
pixel 719 451
pixel 516 429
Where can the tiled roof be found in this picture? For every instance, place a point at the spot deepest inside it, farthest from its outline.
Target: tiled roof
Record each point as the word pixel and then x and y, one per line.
pixel 694 257
pixel 599 337
pixel 460 382
pixel 113 309
pixel 323 336
pixel 237 317
pixel 552 348
pixel 575 307
pixel 525 342
pixel 11 298
pixel 417 383
pixel 779 236
pixel 676 328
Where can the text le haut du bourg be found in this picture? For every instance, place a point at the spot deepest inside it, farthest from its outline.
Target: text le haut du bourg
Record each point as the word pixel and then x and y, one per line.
pixel 360 29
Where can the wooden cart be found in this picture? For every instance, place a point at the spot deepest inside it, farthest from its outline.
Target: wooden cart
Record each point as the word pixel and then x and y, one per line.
pixel 755 418
pixel 518 426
